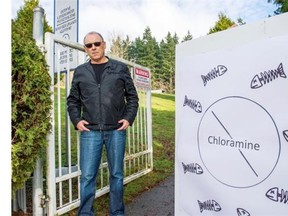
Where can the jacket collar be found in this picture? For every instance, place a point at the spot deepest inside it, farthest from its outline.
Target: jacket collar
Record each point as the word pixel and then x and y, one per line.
pixel 90 68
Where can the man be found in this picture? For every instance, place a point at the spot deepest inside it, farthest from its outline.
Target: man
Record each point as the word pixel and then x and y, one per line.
pixel 102 103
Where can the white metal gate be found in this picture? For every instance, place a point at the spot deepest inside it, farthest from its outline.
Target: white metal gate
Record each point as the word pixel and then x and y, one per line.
pixel 63 173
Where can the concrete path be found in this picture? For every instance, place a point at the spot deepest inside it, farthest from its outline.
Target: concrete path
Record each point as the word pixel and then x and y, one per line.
pixel 159 201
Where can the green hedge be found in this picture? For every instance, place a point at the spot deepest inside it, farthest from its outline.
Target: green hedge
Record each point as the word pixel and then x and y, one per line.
pixel 31 100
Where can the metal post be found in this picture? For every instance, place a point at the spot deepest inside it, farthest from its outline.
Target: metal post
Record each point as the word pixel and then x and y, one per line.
pixel 38 27
pixel 50 176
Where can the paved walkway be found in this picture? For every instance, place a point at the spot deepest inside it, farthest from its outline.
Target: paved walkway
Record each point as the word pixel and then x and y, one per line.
pixel 159 201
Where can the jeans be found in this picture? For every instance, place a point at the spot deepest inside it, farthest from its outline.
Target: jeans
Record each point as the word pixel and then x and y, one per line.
pixel 91 145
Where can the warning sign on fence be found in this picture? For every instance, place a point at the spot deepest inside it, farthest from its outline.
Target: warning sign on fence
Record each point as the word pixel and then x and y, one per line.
pixel 142 78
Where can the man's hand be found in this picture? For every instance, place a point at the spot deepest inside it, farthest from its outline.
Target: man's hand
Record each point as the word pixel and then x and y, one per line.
pixel 81 125
pixel 125 124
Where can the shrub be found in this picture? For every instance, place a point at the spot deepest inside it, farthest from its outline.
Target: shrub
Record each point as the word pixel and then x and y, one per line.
pixel 31 100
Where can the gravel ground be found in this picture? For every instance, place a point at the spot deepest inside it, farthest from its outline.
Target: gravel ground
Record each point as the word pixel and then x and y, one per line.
pixel 159 201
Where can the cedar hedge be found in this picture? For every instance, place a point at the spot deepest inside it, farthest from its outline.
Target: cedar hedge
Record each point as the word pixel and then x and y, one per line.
pixel 31 102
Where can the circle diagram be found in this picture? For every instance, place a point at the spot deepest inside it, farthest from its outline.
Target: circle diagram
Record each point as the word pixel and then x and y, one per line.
pixel 238 142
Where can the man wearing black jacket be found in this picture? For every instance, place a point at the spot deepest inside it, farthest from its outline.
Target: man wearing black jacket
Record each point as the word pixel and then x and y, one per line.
pixel 102 104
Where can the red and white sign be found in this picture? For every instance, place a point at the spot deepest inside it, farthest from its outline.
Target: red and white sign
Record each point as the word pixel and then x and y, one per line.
pixel 142 78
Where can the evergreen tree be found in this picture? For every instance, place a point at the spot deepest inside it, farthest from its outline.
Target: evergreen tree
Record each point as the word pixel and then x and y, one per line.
pixel 126 44
pixel 223 23
pixel 240 21
pixel 175 38
pixel 119 47
pixel 145 52
pixel 281 4
pixel 31 101
pixel 136 50
pixel 25 18
pixel 116 48
pixel 187 37
pixel 167 50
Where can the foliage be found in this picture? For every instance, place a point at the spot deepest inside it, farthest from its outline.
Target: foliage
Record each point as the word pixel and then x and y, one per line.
pixel 25 17
pixel 281 4
pixel 145 52
pixel 167 58
pixel 240 21
pixel 120 47
pixel 187 37
pixel 223 23
pixel 30 97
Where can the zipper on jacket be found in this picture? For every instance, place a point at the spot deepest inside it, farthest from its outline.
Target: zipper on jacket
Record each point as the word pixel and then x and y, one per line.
pixel 100 110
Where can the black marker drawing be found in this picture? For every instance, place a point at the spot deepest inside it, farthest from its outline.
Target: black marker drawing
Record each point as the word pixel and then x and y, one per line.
pixel 232 139
pixel 209 205
pixel 248 162
pixel 215 72
pixel 222 124
pixel 194 104
pixel 267 76
pixel 242 212
pixel 193 168
pixel 277 196
pixel 236 139
pixel 285 134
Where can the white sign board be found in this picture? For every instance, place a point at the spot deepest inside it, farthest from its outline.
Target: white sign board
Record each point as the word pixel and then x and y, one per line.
pixel 232 130
pixel 142 78
pixel 66 25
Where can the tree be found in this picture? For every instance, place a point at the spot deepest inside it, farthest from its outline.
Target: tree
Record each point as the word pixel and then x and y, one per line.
pixel 126 44
pixel 116 48
pixel 136 50
pixel 167 57
pixel 222 24
pixel 145 52
pixel 25 17
pixel 31 101
pixel 240 21
pixel 281 4
pixel 187 37
pixel 119 47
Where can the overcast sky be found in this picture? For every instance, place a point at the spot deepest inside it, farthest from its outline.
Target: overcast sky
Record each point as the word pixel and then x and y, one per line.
pixel 131 17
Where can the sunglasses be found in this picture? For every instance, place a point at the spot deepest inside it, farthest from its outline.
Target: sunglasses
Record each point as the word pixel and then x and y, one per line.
pixel 96 44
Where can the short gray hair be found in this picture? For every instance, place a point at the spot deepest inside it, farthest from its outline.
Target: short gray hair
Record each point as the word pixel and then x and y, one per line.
pixel 91 33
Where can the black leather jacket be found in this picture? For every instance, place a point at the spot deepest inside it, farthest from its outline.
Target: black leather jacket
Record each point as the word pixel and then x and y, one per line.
pixel 102 104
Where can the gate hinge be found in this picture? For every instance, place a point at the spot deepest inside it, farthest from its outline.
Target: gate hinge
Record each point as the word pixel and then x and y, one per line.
pixel 44 200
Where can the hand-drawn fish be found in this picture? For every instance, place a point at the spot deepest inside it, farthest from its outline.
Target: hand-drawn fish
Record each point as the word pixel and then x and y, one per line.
pixel 193 168
pixel 242 212
pixel 266 77
pixel 217 71
pixel 210 205
pixel 275 195
pixel 285 134
pixel 193 104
